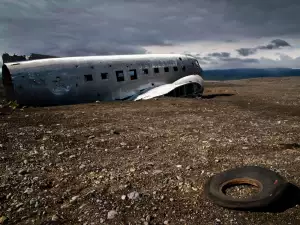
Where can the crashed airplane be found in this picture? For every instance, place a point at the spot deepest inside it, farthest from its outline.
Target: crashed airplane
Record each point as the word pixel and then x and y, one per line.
pixel 73 80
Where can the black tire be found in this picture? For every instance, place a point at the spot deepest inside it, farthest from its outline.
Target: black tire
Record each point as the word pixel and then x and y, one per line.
pixel 271 185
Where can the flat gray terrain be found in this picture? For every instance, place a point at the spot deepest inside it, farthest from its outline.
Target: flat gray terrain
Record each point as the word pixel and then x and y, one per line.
pixel 147 162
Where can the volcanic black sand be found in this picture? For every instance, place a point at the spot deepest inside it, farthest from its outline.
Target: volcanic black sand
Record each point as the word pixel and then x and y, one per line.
pixel 146 162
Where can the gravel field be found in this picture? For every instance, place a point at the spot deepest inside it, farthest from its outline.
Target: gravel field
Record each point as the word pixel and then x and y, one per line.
pixel 147 162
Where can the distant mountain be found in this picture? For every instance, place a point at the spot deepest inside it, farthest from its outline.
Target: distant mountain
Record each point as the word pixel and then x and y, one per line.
pixel 246 73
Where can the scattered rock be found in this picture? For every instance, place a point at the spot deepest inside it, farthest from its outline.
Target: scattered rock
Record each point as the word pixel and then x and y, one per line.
pixel 28 191
pixel 23 171
pixel 112 214
pixel 114 132
pixel 54 218
pixel 3 220
pixel 133 195
pixel 74 199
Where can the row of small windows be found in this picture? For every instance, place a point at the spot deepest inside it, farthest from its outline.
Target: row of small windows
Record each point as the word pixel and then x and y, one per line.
pixel 133 74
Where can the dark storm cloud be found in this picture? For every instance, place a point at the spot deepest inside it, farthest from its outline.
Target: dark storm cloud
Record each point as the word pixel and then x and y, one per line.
pixel 275 44
pixel 220 54
pixel 48 24
pixel 97 27
pixel 246 51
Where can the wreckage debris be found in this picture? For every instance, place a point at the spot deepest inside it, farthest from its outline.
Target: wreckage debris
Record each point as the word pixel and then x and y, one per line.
pixel 270 184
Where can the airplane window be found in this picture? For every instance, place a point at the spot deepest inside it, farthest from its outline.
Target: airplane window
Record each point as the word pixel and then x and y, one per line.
pixel 88 77
pixel 156 70
pixel 133 75
pixel 183 68
pixel 104 76
pixel 145 71
pixel 175 68
pixel 197 63
pixel 166 69
pixel 120 75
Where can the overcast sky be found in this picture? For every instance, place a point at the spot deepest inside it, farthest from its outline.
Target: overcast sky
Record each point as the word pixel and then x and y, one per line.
pixel 220 33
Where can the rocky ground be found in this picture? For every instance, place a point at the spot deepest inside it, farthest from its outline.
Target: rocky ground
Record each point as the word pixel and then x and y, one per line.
pixel 146 162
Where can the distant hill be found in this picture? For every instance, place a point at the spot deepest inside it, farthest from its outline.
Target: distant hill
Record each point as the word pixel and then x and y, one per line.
pixel 236 74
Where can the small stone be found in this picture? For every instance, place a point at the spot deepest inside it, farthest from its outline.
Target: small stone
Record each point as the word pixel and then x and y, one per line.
pixel 32 201
pixel 22 171
pixel 166 222
pixel 74 199
pixel 25 162
pixel 55 218
pixel 123 197
pixel 19 205
pixel 123 144
pixel 90 137
pixel 3 220
pixel 217 160
pixel 171 199
pixel 111 214
pixel 245 148
pixel 28 191
pixel 64 206
pixel 114 132
pixel 179 166
pixel 188 168
pixel 218 220
pixel 72 156
pixel 81 166
pixel 157 171
pixel 133 195
pixel 179 178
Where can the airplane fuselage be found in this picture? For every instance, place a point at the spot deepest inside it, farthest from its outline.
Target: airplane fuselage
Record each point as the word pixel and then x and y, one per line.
pixel 71 80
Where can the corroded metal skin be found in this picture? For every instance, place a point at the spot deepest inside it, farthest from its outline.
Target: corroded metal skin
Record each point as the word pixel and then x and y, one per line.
pixel 72 80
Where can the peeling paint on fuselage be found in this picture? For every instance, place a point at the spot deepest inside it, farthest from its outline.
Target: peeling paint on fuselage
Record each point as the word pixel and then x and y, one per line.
pixel 73 80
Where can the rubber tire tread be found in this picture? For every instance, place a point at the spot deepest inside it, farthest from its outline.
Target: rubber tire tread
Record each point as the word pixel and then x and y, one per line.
pixel 273 186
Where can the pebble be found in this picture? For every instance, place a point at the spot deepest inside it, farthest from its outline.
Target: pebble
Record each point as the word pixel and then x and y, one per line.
pixel 3 219
pixel 55 218
pixel 111 214
pixel 81 166
pixel 74 198
pixel 157 171
pixel 22 171
pixel 133 195
pixel 28 191
pixel 123 197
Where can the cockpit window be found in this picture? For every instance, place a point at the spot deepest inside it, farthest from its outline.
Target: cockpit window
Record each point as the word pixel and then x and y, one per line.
pixel 197 63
